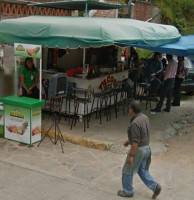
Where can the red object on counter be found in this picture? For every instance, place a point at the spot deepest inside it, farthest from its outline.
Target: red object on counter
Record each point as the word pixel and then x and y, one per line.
pixel 71 72
pixel 79 70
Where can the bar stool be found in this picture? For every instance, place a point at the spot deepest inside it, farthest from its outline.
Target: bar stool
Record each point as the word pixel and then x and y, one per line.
pixel 68 99
pixel 127 92
pixel 109 93
pixel 142 91
pixel 117 86
pixel 77 101
pixel 102 102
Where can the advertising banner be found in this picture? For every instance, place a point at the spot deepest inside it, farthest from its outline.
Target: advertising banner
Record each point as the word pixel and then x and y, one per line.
pixel 36 124
pixel 17 124
pixel 28 50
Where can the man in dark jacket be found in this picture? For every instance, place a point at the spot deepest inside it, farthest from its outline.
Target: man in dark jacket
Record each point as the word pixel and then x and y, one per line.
pixel 139 156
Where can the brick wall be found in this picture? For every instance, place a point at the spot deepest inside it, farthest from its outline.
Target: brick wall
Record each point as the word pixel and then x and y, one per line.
pixel 144 11
pixel 105 13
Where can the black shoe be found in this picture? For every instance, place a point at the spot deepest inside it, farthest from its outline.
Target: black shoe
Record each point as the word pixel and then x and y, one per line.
pixel 157 191
pixel 166 110
pixel 155 110
pixel 121 193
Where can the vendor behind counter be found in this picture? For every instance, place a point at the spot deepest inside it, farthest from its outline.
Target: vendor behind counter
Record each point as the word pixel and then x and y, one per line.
pixel 29 79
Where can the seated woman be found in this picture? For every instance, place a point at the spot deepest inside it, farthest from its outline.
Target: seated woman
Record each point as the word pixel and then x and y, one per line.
pixel 29 79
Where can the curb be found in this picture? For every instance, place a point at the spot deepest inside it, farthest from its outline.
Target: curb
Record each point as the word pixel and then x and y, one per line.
pixel 83 141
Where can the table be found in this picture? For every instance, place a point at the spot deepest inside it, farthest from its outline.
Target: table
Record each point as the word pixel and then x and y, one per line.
pixel 22 119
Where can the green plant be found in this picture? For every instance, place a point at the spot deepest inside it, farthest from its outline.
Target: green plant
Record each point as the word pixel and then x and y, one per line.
pixel 143 53
pixel 179 13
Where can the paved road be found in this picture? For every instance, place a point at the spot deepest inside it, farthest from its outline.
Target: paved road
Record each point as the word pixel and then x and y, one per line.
pixel 45 173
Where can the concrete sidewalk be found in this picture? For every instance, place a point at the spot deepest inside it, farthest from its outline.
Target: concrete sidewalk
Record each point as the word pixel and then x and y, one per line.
pixel 19 183
pixel 111 134
pixel 44 173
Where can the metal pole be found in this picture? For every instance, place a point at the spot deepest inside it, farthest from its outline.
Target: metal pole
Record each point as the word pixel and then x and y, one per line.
pixel 130 8
pixel 40 76
pixel 15 78
pixel 86 11
pixel 84 56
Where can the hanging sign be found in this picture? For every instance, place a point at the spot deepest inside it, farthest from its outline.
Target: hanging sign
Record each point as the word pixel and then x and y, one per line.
pixel 28 50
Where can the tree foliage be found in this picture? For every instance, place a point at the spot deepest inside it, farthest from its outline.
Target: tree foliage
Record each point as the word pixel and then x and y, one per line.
pixel 179 13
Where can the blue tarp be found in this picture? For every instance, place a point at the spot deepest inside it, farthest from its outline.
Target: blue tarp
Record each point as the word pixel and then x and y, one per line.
pixel 183 47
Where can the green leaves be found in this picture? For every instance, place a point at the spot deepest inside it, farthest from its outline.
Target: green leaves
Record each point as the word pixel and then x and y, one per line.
pixel 179 13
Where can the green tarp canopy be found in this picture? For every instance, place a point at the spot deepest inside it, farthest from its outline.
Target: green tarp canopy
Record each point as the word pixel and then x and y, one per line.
pixel 79 5
pixel 75 32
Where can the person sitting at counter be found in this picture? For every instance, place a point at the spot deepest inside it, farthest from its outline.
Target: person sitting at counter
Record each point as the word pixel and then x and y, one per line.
pixel 153 66
pixel 29 79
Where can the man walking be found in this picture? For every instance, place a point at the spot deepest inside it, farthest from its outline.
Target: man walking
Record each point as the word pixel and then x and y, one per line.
pixel 139 155
pixel 169 80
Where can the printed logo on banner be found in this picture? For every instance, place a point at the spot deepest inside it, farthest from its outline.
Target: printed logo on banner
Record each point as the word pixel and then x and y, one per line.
pixel 27 50
pixel 17 123
pixel 36 113
pixel 20 126
pixel 36 124
pixel 16 113
pixel 109 79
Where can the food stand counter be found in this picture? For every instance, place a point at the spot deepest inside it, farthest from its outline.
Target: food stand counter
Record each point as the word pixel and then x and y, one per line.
pixel 92 85
pixel 22 119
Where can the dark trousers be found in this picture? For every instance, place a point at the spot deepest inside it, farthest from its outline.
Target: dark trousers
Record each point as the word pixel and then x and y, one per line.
pixel 166 92
pixel 177 91
pixel 35 93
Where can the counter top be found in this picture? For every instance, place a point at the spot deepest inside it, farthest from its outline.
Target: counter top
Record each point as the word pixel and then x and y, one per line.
pixel 102 75
pixel 22 101
pixel 92 78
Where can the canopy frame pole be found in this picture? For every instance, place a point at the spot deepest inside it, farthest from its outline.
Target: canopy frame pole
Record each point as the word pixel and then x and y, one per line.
pixel 15 78
pixel 86 10
pixel 40 80
pixel 84 56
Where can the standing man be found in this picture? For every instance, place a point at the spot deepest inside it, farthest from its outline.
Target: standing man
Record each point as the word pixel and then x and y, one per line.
pixel 182 72
pixel 169 80
pixel 139 156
